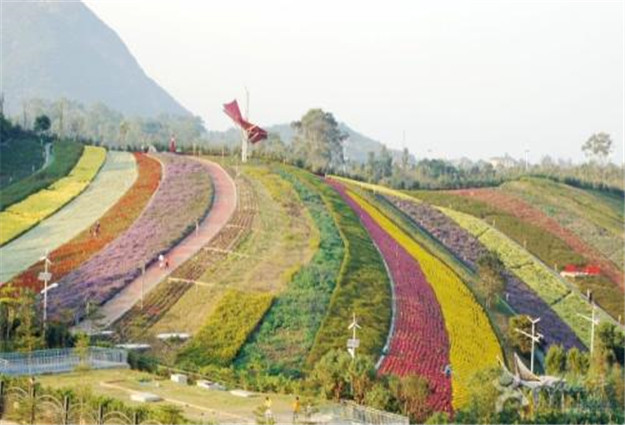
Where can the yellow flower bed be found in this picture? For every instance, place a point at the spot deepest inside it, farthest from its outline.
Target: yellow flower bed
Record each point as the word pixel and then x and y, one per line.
pixel 473 343
pixel 20 217
pixel 375 188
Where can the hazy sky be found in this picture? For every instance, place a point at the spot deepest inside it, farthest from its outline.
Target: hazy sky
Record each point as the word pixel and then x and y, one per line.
pixel 467 78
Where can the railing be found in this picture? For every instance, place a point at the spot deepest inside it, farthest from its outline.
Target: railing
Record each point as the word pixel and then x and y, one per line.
pixel 355 413
pixel 61 360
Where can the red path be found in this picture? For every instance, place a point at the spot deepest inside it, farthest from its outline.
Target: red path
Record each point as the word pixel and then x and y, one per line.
pixel 419 343
pixel 224 204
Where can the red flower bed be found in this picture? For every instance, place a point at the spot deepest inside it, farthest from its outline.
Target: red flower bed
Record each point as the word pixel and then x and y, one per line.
pixel 419 344
pixel 520 209
pixel 116 220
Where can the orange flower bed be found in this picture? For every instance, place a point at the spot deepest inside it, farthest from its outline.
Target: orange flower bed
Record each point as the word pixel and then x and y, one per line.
pixel 523 211
pixel 116 221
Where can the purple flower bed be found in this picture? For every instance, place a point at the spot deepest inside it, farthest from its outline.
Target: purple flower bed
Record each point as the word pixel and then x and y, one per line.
pixel 469 249
pixel 183 197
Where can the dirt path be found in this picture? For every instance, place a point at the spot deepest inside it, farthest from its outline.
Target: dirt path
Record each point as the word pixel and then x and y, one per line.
pixel 224 204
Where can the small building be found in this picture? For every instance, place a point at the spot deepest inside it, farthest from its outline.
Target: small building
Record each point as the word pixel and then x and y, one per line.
pixel 179 378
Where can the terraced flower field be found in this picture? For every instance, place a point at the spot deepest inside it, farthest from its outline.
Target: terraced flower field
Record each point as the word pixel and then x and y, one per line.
pixel 22 216
pixel 183 198
pixel 522 210
pixel 596 221
pixel 258 251
pixel 118 173
pixel 113 223
pixel 283 339
pixel 419 343
pixel 467 247
pixel 463 315
pixel 553 290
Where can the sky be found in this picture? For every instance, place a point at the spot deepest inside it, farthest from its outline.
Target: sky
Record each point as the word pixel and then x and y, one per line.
pixel 443 78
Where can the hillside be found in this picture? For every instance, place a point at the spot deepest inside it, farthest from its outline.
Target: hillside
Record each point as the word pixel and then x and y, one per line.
pixel 53 50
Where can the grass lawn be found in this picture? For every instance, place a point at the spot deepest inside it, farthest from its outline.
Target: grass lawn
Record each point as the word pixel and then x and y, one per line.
pixel 198 404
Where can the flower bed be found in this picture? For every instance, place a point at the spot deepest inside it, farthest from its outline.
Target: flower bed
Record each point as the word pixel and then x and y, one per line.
pixel 536 275
pixel 184 196
pixel 20 217
pixel 463 316
pixel 362 286
pixel 286 334
pixel 465 246
pixel 219 340
pixel 522 210
pixel 117 219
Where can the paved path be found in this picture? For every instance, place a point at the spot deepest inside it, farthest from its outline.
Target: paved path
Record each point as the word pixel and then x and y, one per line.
pixel 224 204
pixel 116 176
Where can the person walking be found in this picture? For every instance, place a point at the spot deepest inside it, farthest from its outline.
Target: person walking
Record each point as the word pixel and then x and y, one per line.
pixel 161 261
pixel 296 408
pixel 268 413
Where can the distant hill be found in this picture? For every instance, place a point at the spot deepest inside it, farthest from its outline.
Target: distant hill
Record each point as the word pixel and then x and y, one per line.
pixel 358 145
pixel 62 49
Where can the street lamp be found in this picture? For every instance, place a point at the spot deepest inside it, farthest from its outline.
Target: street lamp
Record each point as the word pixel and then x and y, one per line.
pixel 594 321
pixel 46 276
pixel 534 336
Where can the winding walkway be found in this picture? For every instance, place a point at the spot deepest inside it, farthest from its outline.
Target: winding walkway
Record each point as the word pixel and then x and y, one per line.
pixel 224 205
pixel 118 173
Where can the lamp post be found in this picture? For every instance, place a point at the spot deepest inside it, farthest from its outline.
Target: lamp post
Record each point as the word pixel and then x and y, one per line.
pixel 353 342
pixel 45 276
pixel 534 336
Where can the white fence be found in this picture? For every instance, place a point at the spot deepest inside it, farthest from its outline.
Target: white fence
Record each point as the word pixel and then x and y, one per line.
pixel 354 413
pixel 61 360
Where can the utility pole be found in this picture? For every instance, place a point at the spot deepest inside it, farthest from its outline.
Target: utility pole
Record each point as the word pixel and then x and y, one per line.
pixel 244 141
pixel 594 321
pixel 534 336
pixel 353 342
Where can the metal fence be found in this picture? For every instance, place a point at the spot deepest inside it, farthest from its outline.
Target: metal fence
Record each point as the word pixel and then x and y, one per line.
pixel 61 360
pixel 355 413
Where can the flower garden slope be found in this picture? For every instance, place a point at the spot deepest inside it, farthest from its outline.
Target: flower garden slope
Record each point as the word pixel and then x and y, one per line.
pixel 65 155
pixel 583 213
pixel 522 210
pixel 117 174
pixel 113 223
pixel 287 332
pixel 184 197
pixel 464 317
pixel 419 343
pixel 22 216
pixel 465 246
pixel 363 283
pixel 553 290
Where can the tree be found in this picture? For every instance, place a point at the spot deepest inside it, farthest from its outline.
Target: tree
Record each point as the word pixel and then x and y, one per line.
pixel 331 374
pixel 518 340
pixel 361 376
pixel 612 339
pixel 598 146
pixel 42 124
pixel 27 336
pixel 555 362
pixel 405 159
pixel 318 141
pixel 576 362
pixel 81 349
pixel 378 397
pixel 412 392
pixel 492 282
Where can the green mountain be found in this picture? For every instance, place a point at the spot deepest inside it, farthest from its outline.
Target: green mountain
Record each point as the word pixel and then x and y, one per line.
pixel 62 49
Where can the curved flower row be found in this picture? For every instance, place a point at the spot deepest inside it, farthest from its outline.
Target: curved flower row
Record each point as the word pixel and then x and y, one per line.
pixel 553 290
pixel 117 219
pixel 22 216
pixel 183 198
pixel 464 317
pixel 419 343
pixel 522 210
pixel 467 247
